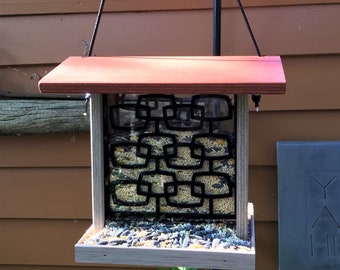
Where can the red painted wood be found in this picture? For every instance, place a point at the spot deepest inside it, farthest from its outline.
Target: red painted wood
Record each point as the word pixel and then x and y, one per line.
pixel 190 75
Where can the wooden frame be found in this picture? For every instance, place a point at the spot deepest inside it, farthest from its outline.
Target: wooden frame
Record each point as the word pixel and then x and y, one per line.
pixel 235 260
pixel 98 170
pixel 242 165
pixel 97 162
pixel 177 75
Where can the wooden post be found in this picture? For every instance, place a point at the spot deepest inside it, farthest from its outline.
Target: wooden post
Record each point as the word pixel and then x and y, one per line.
pixel 242 119
pixel 97 161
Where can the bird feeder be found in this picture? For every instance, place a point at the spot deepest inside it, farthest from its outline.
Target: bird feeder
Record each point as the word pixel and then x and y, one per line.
pixel 169 139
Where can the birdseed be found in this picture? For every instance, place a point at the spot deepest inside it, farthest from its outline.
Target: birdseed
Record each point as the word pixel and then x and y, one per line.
pixel 169 234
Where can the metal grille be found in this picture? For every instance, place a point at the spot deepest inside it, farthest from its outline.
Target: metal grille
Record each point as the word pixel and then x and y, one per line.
pixel 171 156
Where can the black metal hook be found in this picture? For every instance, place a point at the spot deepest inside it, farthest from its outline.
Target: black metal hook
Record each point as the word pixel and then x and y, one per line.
pixel 87 101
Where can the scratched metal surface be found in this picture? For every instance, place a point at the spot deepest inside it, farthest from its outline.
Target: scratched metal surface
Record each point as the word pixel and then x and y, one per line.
pixel 309 213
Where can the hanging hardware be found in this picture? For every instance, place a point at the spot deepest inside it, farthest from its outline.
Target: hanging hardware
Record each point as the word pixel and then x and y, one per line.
pixel 217 28
pixel 217 34
pixel 255 98
pixel 249 27
pixel 87 101
pixel 89 48
pixel 217 38
pixel 96 25
pixel 86 47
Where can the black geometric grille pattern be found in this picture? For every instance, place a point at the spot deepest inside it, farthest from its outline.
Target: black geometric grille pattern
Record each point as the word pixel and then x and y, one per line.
pixel 172 156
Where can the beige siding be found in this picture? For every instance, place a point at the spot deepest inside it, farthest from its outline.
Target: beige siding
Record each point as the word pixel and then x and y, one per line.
pixel 45 203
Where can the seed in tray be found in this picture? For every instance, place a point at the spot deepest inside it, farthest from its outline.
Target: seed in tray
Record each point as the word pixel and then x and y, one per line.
pixel 168 234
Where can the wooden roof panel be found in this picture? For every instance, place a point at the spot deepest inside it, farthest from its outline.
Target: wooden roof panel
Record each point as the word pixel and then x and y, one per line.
pixel 176 75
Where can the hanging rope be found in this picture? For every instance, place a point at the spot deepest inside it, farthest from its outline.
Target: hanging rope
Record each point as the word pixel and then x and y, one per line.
pixel 255 98
pixel 249 27
pixel 89 48
pixel 217 28
pixel 95 30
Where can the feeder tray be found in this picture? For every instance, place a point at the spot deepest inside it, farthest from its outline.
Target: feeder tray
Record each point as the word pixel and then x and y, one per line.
pixel 169 141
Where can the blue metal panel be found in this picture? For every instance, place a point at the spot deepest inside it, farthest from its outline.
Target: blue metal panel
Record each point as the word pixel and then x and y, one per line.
pixel 309 209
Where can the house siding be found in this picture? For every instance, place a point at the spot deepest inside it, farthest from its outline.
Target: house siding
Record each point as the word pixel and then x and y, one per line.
pixel 45 185
pixel 33 7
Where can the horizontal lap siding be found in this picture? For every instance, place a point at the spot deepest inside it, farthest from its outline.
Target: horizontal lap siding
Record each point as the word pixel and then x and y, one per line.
pixel 65 150
pixel 263 192
pixel 41 242
pixel 293 30
pixel 45 193
pixel 45 201
pixel 21 80
pixel 267 128
pixel 63 193
pixel 266 234
pixel 312 84
pixel 45 198
pixel 17 7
